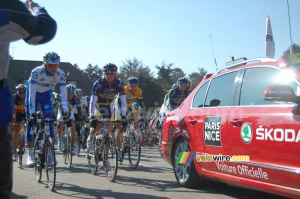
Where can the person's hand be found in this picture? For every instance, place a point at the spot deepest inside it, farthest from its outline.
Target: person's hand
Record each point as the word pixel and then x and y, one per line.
pixel 31 5
pixel 32 120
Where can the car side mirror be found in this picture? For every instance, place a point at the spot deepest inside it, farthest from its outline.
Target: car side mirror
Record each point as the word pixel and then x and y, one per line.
pixel 280 93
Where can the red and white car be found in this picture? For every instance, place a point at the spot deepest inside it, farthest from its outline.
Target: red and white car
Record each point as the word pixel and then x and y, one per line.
pixel 251 108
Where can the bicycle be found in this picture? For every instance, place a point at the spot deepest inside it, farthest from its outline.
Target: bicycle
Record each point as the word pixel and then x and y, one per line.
pixel 67 145
pixel 44 153
pixel 131 144
pixel 21 143
pixel 104 150
pixel 84 134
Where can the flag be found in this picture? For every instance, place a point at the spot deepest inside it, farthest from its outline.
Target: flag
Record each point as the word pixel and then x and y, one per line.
pixel 270 44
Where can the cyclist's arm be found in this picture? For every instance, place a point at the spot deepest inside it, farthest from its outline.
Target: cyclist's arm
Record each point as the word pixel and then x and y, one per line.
pixel 93 105
pixel 32 95
pixel 123 105
pixel 142 104
pixel 171 98
pixel 63 92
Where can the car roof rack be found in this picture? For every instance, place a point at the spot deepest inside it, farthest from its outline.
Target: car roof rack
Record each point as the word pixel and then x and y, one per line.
pixel 243 61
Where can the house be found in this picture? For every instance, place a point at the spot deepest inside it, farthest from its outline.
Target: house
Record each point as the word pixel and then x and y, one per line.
pixel 20 70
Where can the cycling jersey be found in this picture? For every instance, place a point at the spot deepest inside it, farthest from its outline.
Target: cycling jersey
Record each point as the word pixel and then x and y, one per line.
pixel 41 81
pixel 176 96
pixel 72 104
pixel 81 111
pixel 19 104
pixel 103 94
pixel 131 97
pixel 19 108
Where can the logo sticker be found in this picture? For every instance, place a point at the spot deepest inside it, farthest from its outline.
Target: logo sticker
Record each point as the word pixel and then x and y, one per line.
pixel 246 133
pixel 212 131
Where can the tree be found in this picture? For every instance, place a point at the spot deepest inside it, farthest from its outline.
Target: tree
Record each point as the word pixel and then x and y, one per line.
pixel 147 82
pixel 296 49
pixel 93 72
pixel 135 68
pixel 164 75
pixel 196 77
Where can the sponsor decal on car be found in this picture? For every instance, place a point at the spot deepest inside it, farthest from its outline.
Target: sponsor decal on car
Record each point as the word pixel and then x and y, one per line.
pixel 246 133
pixel 278 135
pixel 243 170
pixel 212 131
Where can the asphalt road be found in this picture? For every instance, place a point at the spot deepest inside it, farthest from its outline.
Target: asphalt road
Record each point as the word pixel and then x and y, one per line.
pixel 154 178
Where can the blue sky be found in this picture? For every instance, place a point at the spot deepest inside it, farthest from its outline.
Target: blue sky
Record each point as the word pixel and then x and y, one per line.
pixel 174 31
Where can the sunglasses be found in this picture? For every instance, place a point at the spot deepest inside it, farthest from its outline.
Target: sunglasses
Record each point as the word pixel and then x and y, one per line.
pixel 183 84
pixel 52 65
pixel 132 86
pixel 21 93
pixel 70 92
pixel 108 74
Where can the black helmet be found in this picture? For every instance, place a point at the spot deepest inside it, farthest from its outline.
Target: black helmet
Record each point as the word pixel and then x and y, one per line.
pixel 110 68
pixel 182 81
pixel 132 80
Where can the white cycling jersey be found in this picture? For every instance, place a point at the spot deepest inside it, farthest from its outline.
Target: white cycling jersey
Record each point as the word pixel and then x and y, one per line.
pixel 41 81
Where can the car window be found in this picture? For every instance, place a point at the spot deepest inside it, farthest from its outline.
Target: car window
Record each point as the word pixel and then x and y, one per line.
pixel 220 90
pixel 256 80
pixel 198 100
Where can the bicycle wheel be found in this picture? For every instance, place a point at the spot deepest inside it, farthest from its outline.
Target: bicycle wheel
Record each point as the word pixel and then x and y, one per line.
pixel 78 145
pixel 149 138
pixel 93 158
pixel 110 160
pixel 50 164
pixel 70 151
pixel 21 148
pixel 38 156
pixel 134 150
pixel 65 146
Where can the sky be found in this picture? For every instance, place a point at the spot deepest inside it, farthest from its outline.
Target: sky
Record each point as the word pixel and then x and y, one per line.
pixel 98 32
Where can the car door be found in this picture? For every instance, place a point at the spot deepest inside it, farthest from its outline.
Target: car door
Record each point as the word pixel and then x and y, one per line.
pixel 207 118
pixel 267 132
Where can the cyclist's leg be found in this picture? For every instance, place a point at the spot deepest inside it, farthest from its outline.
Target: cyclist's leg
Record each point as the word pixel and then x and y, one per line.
pixel 47 109
pixel 16 130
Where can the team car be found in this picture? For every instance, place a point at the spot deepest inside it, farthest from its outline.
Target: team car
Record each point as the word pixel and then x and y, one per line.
pixel 240 126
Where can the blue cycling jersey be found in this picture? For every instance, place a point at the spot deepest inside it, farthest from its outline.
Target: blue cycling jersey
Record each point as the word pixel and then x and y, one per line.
pixel 103 94
pixel 177 96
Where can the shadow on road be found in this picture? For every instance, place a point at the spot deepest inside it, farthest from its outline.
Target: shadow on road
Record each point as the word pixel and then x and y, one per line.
pixel 80 192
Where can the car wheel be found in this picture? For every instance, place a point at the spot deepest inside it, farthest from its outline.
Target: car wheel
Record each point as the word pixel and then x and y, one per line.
pixel 185 174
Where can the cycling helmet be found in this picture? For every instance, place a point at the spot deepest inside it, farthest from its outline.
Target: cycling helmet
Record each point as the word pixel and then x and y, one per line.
pixel 182 81
pixel 132 80
pixel 70 88
pixel 135 105
pixel 21 88
pixel 110 68
pixel 51 58
pixel 78 91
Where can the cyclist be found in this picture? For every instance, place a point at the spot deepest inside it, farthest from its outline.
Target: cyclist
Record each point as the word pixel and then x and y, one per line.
pixel 174 97
pixel 72 104
pixel 42 80
pixel 19 114
pixel 81 114
pixel 134 94
pixel 103 92
pixel 179 92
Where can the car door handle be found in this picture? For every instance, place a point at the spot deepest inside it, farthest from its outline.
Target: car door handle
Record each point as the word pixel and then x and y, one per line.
pixel 192 121
pixel 236 122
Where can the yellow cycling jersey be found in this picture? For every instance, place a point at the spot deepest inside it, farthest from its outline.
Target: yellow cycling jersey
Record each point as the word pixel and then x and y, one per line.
pixel 130 97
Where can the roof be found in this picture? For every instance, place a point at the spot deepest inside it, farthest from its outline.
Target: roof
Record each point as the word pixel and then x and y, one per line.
pixel 19 70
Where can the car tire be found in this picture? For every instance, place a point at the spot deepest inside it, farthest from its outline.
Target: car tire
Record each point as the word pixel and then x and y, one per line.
pixel 186 175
